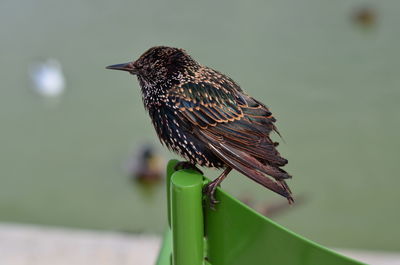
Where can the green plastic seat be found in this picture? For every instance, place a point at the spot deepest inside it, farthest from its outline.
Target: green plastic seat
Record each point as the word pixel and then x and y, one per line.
pixel 233 234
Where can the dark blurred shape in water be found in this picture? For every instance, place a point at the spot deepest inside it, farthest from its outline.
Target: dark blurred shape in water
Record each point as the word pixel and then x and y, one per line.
pixel 365 16
pixel 146 166
pixel 273 209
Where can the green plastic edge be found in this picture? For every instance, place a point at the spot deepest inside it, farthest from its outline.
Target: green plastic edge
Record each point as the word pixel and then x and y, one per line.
pixel 164 257
pixel 306 240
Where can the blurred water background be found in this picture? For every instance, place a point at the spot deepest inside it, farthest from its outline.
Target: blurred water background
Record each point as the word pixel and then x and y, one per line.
pixel 332 82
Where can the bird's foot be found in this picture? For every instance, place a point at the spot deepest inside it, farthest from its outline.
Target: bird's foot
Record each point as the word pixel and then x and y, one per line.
pixel 187 165
pixel 209 190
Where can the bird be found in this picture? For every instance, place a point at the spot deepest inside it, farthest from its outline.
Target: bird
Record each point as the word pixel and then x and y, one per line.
pixel 365 16
pixel 205 117
pixel 146 166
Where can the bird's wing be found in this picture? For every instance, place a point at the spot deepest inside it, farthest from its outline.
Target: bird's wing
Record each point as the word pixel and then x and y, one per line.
pixel 236 128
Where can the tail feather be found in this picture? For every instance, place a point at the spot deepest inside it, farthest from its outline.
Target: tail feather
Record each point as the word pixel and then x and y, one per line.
pixel 248 160
pixel 254 174
pixel 246 163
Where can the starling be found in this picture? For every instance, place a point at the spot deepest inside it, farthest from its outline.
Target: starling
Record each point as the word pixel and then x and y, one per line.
pixel 205 117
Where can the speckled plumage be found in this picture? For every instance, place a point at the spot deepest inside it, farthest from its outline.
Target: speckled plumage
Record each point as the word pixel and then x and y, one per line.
pixel 205 117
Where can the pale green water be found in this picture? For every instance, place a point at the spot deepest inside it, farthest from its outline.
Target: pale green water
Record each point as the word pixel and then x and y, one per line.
pixel 334 87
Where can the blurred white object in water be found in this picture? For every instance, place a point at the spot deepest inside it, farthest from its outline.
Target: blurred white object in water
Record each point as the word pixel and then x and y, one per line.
pixel 48 78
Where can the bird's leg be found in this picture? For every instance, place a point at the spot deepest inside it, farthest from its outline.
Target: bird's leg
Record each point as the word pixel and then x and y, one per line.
pixel 186 165
pixel 212 186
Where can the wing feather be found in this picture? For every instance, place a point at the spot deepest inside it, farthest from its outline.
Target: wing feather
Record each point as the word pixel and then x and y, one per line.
pixel 236 128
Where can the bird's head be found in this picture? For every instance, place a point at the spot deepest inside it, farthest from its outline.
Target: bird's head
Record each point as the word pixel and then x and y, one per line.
pixel 158 64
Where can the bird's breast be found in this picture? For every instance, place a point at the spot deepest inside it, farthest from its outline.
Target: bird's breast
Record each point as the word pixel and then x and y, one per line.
pixel 177 135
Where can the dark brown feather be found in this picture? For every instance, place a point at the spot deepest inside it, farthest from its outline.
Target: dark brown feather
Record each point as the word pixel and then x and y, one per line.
pixel 236 128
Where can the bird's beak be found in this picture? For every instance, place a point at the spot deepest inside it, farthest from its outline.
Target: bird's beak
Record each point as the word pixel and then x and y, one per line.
pixel 123 67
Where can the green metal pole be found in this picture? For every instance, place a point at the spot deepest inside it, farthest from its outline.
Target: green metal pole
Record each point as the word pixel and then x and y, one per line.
pixel 187 218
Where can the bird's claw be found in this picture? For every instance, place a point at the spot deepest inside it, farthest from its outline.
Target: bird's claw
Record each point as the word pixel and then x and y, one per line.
pixel 186 165
pixel 209 190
